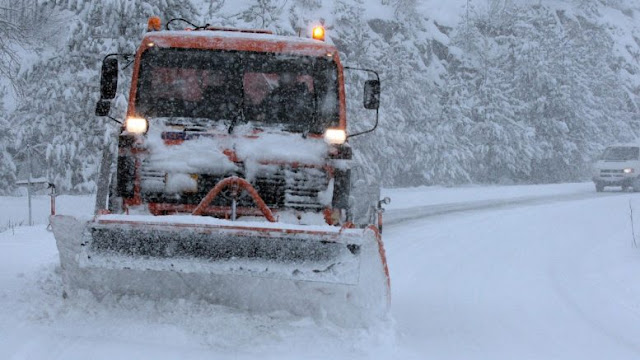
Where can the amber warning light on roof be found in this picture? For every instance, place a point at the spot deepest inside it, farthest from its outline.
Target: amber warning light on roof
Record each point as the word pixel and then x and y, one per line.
pixel 318 33
pixel 154 24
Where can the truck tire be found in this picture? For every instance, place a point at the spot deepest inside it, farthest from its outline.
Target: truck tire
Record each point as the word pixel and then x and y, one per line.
pixel 599 187
pixel 636 185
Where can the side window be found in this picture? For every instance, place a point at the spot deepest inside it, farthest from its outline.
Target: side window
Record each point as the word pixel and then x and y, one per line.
pixel 260 89
pixel 177 83
pixel 257 86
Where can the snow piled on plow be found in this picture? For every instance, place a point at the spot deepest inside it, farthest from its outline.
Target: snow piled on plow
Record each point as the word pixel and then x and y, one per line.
pixel 211 221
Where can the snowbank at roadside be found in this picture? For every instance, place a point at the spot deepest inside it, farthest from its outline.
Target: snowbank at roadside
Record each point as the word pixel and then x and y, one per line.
pixel 404 198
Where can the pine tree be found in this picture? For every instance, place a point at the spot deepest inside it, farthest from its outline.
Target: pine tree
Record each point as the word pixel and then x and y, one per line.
pixel 264 14
pixel 302 14
pixel 349 32
pixel 449 156
pixel 61 107
pixel 515 92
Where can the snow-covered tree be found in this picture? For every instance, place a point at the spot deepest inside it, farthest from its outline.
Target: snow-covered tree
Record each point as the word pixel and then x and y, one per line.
pixel 7 165
pixel 63 89
pixel 516 91
pixel 264 14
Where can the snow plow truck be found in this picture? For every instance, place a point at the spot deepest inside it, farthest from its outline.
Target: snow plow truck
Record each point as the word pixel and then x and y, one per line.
pixel 234 181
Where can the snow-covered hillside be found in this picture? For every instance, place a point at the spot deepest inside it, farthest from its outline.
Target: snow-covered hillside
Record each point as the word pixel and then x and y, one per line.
pixel 555 279
pixel 482 91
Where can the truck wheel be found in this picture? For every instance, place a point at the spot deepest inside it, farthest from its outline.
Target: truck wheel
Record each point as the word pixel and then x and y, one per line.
pixel 636 185
pixel 599 187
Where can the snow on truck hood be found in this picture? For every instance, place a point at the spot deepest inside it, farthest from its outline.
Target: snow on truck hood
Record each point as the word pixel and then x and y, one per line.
pixel 204 151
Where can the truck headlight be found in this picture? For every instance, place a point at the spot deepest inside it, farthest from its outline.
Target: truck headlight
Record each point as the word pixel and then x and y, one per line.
pixel 335 136
pixel 628 170
pixel 136 125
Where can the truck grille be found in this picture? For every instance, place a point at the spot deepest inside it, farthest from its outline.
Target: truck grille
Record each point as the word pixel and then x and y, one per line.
pixel 152 180
pixel 279 186
pixel 292 187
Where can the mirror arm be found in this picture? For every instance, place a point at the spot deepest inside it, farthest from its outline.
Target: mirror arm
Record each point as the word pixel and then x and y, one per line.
pixel 125 56
pixel 366 131
pixel 376 124
pixel 128 57
pixel 114 119
pixel 127 65
pixel 363 69
pixel 109 55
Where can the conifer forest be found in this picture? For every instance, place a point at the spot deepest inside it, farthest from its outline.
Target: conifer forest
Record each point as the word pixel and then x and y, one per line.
pixel 482 92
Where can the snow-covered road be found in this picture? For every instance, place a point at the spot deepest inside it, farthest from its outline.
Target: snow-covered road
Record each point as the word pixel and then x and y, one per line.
pixel 552 281
pixel 526 272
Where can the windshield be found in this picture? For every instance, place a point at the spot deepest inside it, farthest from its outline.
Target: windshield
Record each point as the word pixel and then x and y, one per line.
pixel 621 153
pixel 297 93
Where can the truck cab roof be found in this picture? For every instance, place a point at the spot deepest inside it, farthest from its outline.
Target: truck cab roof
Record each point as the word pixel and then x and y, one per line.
pixel 237 40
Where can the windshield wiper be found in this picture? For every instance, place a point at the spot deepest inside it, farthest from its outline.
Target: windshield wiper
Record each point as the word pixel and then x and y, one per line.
pixel 232 123
pixel 239 114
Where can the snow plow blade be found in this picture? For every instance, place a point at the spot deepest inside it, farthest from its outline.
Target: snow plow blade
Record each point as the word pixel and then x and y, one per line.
pixel 251 265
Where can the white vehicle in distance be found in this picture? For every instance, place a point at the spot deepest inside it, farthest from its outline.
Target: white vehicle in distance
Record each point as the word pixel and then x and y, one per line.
pixel 619 165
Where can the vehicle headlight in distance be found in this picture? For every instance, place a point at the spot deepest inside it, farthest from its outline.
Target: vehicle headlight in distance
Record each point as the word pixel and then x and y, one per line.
pixel 628 170
pixel 136 125
pixel 335 136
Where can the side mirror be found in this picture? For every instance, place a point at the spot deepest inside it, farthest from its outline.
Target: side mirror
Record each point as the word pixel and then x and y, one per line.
pixel 109 79
pixel 103 107
pixel 372 94
pixel 384 201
